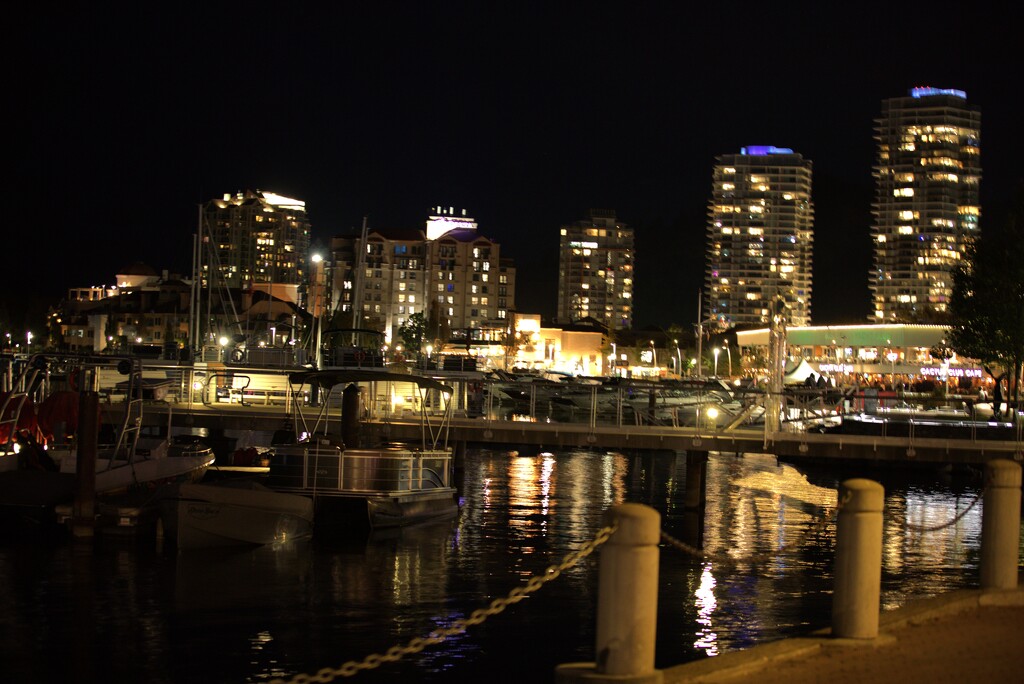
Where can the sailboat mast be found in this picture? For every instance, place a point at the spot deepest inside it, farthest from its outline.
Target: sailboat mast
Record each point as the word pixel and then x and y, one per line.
pixel 360 274
pixel 700 335
pixel 197 283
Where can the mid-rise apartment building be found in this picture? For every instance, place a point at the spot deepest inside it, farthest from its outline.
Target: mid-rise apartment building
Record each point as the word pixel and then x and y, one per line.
pixel 255 241
pixel 595 271
pixel 446 271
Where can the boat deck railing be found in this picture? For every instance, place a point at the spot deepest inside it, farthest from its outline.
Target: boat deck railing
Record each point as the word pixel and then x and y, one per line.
pixel 325 468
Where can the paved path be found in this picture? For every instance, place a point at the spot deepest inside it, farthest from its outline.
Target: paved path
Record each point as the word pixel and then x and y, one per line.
pixel 964 637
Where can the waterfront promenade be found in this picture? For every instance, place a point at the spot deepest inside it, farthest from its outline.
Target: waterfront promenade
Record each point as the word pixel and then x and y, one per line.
pixel 964 636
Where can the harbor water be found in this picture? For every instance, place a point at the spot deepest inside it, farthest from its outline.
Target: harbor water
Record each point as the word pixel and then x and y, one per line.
pixel 141 611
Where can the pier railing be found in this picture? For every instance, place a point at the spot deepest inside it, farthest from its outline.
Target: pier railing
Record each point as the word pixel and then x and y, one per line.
pixel 624 414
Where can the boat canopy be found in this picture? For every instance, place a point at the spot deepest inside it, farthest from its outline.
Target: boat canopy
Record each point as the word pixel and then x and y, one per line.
pixel 330 378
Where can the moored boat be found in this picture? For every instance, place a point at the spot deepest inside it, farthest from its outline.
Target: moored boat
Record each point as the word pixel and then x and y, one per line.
pixel 383 485
pixel 235 513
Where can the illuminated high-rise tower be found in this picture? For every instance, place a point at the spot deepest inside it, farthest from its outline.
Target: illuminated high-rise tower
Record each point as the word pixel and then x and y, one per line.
pixel 760 236
pixel 926 208
pixel 595 271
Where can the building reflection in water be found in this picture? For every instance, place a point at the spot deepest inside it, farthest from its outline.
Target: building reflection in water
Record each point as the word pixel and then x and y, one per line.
pixel 759 515
pixel 707 639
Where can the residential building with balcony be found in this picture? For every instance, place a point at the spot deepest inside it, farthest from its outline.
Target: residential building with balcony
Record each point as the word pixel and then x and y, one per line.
pixel 760 237
pixel 595 271
pixel 255 240
pixel 927 202
pixel 446 271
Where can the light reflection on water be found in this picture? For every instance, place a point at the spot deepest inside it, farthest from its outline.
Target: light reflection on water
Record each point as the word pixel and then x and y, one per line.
pixel 128 614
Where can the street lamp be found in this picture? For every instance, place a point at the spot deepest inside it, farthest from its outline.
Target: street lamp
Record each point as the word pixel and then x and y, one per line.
pixel 654 355
pixel 728 355
pixel 892 356
pixel 716 351
pixel 679 359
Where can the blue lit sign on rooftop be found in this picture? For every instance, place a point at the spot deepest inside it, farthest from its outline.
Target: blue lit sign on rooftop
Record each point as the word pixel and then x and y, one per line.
pixel 761 150
pixel 929 92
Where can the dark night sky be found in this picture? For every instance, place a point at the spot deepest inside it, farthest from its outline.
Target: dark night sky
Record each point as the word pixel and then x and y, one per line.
pixel 126 117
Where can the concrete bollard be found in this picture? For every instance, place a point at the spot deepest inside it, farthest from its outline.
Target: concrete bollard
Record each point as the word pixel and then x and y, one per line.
pixel 858 570
pixel 627 602
pixel 1000 525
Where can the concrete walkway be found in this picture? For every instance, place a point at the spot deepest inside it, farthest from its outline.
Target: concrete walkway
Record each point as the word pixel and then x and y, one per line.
pixel 966 636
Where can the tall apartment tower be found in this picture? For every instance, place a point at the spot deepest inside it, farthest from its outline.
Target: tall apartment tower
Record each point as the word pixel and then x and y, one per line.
pixel 255 240
pixel 926 208
pixel 760 237
pixel 595 271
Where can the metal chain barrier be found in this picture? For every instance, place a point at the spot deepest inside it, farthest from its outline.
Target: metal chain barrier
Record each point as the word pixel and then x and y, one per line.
pixel 478 616
pixel 816 527
pixel 959 516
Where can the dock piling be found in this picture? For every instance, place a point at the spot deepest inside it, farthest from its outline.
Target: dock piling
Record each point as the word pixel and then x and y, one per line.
pixel 858 573
pixel 1000 525
pixel 627 604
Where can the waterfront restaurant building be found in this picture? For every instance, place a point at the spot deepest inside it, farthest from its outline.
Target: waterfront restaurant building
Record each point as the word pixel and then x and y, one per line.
pixel 849 354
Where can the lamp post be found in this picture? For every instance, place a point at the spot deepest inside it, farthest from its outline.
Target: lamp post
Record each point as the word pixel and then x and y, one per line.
pixel 318 272
pixel 679 359
pixel 716 352
pixel 654 355
pixel 892 356
pixel 28 341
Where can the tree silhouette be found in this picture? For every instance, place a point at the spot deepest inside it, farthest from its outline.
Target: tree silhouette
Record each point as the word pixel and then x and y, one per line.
pixel 987 303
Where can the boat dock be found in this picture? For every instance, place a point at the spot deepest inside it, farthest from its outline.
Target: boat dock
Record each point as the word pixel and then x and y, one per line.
pixel 793 445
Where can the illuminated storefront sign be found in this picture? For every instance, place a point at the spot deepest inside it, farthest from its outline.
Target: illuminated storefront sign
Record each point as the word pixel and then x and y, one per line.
pixel 952 372
pixel 835 368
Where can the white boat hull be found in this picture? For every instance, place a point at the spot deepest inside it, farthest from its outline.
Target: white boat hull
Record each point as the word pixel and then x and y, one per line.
pixel 221 515
pixel 117 474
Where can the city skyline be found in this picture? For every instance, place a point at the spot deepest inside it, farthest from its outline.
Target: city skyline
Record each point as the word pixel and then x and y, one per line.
pixel 526 117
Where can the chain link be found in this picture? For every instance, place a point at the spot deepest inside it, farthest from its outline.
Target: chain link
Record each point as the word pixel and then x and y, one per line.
pixel 816 527
pixel 496 606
